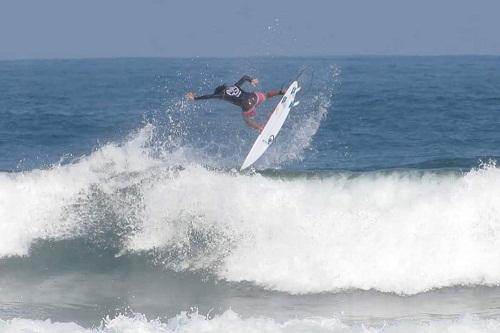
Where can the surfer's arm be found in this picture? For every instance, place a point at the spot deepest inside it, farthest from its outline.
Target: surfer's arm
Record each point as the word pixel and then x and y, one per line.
pixel 273 93
pixel 196 98
pixel 246 78
pixel 191 97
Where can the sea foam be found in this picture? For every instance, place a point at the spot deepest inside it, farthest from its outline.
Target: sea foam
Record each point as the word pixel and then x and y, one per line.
pixel 231 322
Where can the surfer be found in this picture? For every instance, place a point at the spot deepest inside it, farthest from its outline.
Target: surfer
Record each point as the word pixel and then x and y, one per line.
pixel 248 101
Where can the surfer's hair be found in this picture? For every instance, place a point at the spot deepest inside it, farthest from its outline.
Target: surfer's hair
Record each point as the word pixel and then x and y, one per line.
pixel 220 89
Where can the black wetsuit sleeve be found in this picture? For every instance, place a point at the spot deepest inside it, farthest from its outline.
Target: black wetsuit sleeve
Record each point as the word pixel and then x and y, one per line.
pixel 207 97
pixel 242 80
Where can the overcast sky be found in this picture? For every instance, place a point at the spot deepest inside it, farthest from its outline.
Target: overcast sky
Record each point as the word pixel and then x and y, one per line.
pixel 129 28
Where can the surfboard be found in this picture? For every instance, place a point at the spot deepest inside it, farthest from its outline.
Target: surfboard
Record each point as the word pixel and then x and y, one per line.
pixel 273 126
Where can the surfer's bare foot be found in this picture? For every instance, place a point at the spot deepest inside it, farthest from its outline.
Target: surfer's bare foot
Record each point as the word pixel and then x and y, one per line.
pixel 254 82
pixel 189 96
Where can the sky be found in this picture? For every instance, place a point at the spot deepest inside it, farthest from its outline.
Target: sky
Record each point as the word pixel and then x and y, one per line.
pixel 204 28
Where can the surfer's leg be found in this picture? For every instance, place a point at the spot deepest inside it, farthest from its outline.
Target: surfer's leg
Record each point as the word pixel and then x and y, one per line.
pixel 250 121
pixel 249 117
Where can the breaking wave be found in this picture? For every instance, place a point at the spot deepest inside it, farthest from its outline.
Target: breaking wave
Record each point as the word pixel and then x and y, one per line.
pixel 394 231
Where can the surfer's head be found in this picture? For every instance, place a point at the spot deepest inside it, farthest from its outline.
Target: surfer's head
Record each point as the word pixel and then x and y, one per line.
pixel 220 89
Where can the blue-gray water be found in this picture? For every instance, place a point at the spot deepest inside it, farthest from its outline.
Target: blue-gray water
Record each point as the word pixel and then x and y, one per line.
pixel 376 208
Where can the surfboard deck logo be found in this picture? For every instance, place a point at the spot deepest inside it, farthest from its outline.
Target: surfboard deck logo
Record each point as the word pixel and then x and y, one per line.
pixel 270 140
pixel 273 125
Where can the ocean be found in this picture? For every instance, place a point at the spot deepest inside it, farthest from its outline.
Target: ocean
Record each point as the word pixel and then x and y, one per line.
pixel 122 207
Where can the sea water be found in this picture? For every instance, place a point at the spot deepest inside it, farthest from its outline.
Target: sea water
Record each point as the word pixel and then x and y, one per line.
pixel 376 209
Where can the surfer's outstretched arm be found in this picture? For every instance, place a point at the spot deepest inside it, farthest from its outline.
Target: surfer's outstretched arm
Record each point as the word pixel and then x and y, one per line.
pixel 246 78
pixel 190 96
pixel 196 98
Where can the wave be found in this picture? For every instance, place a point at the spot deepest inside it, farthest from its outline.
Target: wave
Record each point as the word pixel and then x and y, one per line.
pixel 397 231
pixel 35 204
pixel 230 321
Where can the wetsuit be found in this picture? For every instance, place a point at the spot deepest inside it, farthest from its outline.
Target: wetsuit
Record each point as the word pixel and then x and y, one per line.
pixel 237 96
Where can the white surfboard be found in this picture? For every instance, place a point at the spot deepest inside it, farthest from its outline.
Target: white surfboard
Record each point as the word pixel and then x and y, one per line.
pixel 273 126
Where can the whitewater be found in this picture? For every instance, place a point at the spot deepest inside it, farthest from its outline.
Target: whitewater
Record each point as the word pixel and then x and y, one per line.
pixel 232 322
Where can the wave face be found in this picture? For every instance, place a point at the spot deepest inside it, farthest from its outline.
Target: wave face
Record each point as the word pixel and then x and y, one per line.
pixel 395 231
pixel 230 322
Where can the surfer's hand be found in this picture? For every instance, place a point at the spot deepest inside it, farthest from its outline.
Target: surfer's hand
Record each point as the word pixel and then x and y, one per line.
pixel 254 82
pixel 189 96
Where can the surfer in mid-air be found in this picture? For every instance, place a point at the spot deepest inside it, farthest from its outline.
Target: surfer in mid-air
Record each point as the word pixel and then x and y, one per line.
pixel 248 101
